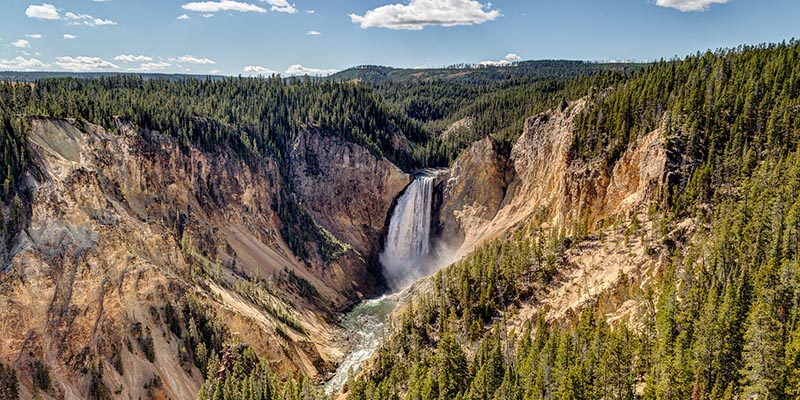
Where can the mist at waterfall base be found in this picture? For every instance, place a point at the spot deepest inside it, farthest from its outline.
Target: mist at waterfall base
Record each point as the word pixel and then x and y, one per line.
pixel 408 253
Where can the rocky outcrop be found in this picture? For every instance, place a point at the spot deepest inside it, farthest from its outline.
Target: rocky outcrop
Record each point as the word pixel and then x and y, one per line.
pixel 120 225
pixel 593 193
pixel 473 191
pixel 541 181
pixel 639 176
pixel 347 189
pixel 461 126
pixel 541 187
pixel 533 177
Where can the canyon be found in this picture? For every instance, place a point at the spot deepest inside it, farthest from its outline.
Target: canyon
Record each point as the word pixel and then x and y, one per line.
pixel 124 229
pixel 126 232
pixel 532 230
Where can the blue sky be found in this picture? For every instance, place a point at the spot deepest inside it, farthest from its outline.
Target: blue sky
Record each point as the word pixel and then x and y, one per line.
pixel 317 36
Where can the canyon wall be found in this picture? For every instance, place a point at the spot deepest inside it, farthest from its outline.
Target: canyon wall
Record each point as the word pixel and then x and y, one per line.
pixel 486 192
pixel 125 233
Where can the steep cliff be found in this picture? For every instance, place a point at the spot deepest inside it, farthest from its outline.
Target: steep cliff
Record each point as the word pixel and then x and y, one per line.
pixel 348 190
pixel 137 248
pixel 489 194
pixel 473 191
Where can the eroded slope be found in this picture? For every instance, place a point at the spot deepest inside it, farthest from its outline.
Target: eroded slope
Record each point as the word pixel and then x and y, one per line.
pixel 137 249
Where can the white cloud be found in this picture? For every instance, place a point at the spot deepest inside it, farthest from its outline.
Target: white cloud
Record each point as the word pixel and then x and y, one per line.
pixel 88 20
pixel 509 59
pixel 21 64
pixel 224 5
pixel 313 33
pixel 184 16
pixel 259 70
pixel 82 63
pixel 69 37
pixel 154 66
pixel 281 6
pixel 298 69
pixel 132 58
pixel 34 36
pixel 287 9
pixel 311 11
pixel 689 5
pixel 207 15
pixel 22 43
pixel 418 14
pixel 44 11
pixel 49 11
pixel 192 60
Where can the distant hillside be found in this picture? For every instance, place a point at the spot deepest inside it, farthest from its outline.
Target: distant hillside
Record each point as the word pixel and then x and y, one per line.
pixel 468 73
pixel 464 73
pixel 32 76
pixel 460 104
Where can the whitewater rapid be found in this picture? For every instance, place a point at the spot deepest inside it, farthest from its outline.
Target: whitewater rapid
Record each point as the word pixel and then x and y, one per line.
pixel 367 322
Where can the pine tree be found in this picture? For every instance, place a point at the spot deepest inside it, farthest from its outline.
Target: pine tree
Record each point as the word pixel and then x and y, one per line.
pixel 452 367
pixel 764 366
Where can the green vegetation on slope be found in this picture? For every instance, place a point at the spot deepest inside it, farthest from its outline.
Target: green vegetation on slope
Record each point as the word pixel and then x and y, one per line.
pixel 239 374
pixel 494 100
pixel 722 321
pixel 9 386
pixel 724 111
pixel 255 119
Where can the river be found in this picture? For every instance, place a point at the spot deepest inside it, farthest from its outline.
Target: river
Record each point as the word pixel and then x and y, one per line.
pixel 406 257
pixel 368 321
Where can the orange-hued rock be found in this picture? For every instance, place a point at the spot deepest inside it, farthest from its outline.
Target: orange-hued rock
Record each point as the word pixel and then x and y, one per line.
pixel 473 191
pixel 120 224
pixel 486 194
pixel 347 189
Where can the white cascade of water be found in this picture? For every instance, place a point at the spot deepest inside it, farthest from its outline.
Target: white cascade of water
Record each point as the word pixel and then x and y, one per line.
pixel 408 239
pixel 406 257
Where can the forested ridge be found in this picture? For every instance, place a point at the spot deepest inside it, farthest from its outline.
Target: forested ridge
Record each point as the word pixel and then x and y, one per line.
pixel 259 117
pixel 462 104
pixel 251 118
pixel 720 321
pixel 477 74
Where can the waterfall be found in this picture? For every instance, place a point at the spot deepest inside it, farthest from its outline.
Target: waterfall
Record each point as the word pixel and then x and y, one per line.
pixel 408 239
pixel 406 257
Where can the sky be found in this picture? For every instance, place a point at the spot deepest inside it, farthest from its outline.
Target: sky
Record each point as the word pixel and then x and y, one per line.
pixel 296 37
